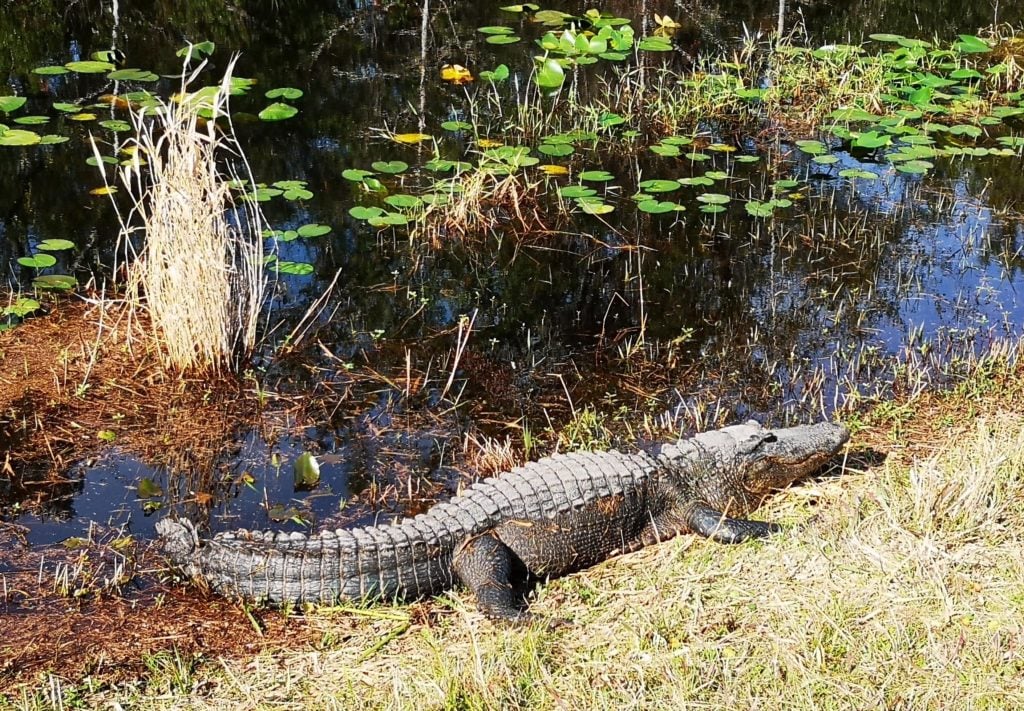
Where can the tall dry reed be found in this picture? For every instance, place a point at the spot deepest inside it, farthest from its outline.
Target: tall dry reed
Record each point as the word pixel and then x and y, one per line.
pixel 194 255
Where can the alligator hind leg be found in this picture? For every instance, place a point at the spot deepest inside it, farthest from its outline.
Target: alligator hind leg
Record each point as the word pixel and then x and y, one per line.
pixel 486 566
pixel 706 521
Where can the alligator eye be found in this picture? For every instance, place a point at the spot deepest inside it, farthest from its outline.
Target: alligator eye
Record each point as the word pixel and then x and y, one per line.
pixel 769 437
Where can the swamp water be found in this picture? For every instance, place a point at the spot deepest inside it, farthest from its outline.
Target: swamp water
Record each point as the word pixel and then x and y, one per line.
pixel 687 269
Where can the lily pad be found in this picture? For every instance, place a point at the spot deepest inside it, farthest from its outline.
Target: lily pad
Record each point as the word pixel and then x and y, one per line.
pixel 391 167
pixel 595 207
pixel 284 92
pixel 293 268
pixel 659 186
pixel 11 103
pixel 39 260
pixel 278 112
pixel 90 66
pixel 55 282
pixel 147 489
pixel 307 470
pixel 314 230
pixel 116 125
pixel 556 149
pixel 403 201
pixel 576 191
pixel 596 176
pixel 355 174
pixel 55 245
pixel 19 137
pixel 666 150
pixel 132 75
pixel 364 212
pixel 550 75
pixel 657 207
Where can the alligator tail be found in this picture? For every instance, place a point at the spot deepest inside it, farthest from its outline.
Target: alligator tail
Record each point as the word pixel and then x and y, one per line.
pixel 180 543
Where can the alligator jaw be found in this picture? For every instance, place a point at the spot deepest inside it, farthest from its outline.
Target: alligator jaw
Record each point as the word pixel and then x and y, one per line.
pixel 783 456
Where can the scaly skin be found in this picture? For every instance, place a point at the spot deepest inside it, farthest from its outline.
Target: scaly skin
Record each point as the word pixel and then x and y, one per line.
pixel 546 519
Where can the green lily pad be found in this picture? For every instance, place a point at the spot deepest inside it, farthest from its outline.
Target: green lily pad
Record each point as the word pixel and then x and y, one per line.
pixel 55 245
pixel 550 75
pixel 19 137
pixel 50 71
pixel 197 50
pixel 90 66
pixel 148 488
pixel 314 230
pixel 284 92
pixel 457 126
pixel 657 207
pixel 55 282
pixel 858 173
pixel 32 120
pixel 713 198
pixel 556 149
pixel 307 470
pixel 596 176
pixel 813 148
pixel 969 44
pixel 116 125
pixel 665 150
pixel 39 260
pixel 576 191
pixel 364 212
pixel 132 75
pixel 293 268
pixel 11 103
pixel 760 209
pixel 356 175
pixel 659 186
pixel 655 44
pixel 278 112
pixel 403 201
pixel 66 107
pixel 391 167
pixel 502 39
pixel 698 180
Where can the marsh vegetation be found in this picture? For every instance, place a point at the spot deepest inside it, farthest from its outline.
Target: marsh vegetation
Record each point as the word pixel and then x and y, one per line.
pixel 425 243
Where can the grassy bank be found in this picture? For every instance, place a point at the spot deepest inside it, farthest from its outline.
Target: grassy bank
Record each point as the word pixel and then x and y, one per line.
pixel 898 585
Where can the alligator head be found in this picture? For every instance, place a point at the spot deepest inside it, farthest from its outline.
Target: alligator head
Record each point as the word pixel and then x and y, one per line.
pixel 772 459
pixel 733 469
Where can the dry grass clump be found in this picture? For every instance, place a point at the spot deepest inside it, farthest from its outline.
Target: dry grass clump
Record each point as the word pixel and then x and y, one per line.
pixel 899 587
pixel 200 272
pixel 477 203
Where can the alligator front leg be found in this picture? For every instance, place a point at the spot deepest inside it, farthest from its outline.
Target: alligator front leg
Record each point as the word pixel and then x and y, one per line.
pixel 486 566
pixel 706 521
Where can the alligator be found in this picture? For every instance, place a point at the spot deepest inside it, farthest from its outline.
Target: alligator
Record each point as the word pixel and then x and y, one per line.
pixel 546 519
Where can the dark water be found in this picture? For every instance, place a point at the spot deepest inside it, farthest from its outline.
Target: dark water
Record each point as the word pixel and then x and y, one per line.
pixel 904 266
